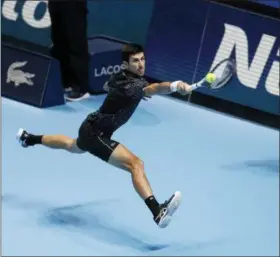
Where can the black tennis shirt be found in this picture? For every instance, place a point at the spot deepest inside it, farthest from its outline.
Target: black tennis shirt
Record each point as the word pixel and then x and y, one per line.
pixel 125 94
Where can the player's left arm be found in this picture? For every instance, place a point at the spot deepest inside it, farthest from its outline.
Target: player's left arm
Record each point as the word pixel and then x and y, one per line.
pixel 106 87
pixel 167 88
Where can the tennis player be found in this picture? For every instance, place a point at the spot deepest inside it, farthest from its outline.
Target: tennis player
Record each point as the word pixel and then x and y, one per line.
pixel 125 91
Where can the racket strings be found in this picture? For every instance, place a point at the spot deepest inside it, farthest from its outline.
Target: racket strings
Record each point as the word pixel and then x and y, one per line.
pixel 223 73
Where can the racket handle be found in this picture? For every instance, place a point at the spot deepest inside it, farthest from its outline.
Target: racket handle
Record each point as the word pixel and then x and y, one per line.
pixel 197 85
pixel 194 86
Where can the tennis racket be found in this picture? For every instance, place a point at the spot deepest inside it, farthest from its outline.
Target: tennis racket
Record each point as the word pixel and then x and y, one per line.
pixel 223 72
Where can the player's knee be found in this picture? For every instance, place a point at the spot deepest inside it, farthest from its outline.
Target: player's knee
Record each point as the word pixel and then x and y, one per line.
pixel 69 144
pixel 72 147
pixel 137 165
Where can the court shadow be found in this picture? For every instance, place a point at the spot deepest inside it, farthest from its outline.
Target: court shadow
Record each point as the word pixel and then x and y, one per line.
pixel 99 225
pixel 16 202
pixel 268 165
pixel 89 219
pixel 199 248
pixel 271 166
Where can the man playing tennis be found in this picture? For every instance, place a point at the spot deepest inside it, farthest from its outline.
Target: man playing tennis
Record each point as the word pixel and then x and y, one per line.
pixel 125 91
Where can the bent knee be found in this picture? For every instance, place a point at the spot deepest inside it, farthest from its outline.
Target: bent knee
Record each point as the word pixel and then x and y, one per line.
pixel 72 147
pixel 136 165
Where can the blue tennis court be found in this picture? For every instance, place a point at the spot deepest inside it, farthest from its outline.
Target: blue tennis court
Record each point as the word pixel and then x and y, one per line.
pixel 55 203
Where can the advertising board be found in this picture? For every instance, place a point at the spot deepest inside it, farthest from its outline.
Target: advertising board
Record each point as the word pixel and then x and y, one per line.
pixel 29 20
pixel 192 40
pixel 30 78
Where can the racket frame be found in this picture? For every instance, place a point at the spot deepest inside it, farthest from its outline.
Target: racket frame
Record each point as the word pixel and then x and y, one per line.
pixel 201 83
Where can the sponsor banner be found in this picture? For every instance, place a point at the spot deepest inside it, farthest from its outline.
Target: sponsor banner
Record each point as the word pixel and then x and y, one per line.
pixel 27 20
pixel 232 33
pixel 178 51
pixel 108 70
pixel 30 20
pixel 30 78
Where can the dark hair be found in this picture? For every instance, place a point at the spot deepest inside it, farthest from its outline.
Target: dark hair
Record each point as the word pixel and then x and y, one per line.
pixel 131 49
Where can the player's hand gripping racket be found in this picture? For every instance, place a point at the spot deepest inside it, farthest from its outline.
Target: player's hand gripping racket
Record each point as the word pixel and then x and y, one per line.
pixel 219 76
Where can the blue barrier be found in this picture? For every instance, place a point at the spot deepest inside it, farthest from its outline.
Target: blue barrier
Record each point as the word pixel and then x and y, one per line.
pixel 232 33
pixel 30 78
pixel 194 35
pixel 34 78
pixel 30 20
pixel 191 40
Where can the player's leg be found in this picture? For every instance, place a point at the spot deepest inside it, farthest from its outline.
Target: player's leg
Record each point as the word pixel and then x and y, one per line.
pixel 121 157
pixel 116 154
pixel 51 141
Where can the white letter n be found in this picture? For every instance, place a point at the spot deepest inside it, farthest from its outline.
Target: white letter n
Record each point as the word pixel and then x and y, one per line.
pixel 235 38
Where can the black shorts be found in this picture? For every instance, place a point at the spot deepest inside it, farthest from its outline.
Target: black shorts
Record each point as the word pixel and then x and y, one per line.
pixel 95 142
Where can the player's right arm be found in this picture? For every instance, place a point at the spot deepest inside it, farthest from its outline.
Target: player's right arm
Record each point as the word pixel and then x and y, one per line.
pixel 167 88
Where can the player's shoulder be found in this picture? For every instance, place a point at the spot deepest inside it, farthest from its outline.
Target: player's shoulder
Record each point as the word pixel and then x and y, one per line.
pixel 124 78
pixel 116 77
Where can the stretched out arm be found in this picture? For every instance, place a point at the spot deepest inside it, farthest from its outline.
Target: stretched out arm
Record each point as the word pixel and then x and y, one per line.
pixel 167 88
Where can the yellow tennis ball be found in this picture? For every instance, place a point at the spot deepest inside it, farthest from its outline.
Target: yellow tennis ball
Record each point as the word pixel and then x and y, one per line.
pixel 210 77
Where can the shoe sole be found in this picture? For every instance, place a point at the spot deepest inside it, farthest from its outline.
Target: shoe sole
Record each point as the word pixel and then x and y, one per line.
pixel 172 208
pixel 175 203
pixel 19 134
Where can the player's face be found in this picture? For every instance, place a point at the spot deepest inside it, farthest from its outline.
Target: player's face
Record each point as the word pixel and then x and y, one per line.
pixel 137 64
